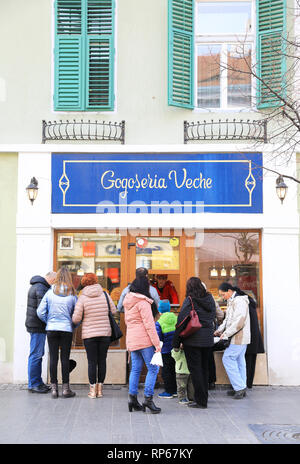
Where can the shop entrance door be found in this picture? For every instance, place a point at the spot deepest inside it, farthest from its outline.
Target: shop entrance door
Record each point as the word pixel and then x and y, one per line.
pixel 169 258
pixel 162 253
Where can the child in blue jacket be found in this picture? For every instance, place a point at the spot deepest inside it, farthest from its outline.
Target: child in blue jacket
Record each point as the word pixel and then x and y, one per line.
pixel 165 327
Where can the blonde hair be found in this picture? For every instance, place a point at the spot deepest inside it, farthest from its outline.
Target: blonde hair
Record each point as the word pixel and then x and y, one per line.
pixel 63 282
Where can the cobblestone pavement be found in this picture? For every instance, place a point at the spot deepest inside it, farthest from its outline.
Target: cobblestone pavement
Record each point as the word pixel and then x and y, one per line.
pixel 27 418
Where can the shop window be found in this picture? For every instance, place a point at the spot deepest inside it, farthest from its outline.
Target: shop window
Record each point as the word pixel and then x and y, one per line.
pixel 91 252
pixel 160 255
pixel 234 257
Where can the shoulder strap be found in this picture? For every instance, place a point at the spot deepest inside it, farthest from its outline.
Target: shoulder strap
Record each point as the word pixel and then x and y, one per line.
pixel 107 301
pixel 191 302
pixel 235 332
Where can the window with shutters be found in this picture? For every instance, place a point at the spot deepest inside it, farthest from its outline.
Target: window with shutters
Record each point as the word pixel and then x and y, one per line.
pixel 224 47
pixel 214 44
pixel 84 55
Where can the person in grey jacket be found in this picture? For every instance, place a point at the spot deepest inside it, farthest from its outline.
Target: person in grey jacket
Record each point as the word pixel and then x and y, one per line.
pixel 237 327
pixel 56 309
pixel 140 272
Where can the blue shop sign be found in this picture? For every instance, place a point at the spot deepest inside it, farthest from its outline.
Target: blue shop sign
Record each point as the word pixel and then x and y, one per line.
pixel 157 183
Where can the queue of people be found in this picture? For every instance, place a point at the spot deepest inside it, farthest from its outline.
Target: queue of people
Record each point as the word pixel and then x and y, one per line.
pixel 188 370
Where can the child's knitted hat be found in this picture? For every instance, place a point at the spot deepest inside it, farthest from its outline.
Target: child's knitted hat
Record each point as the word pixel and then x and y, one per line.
pixel 164 306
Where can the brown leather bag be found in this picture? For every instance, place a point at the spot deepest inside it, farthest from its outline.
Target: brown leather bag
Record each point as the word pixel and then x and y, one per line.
pixel 193 323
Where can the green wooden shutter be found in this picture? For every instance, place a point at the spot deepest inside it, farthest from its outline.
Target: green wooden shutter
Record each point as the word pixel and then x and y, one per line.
pixel 100 54
pixel 68 55
pixel 181 53
pixel 271 31
pixel 84 55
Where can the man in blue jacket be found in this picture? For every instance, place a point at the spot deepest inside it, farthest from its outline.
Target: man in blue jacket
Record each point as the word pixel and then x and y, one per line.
pixel 39 286
pixel 165 327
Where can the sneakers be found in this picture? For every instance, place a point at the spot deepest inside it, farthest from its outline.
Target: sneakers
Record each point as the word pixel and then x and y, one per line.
pixel 184 401
pixel 165 395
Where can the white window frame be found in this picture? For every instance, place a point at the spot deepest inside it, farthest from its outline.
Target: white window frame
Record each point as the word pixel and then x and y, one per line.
pixel 224 40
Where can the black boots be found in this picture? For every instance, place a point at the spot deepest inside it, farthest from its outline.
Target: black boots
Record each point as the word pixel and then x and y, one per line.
pixel 66 391
pixel 196 405
pixel 237 394
pixel 134 404
pixel 148 403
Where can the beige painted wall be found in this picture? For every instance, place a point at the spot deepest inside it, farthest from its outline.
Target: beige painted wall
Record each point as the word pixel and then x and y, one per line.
pixel 26 96
pixel 8 200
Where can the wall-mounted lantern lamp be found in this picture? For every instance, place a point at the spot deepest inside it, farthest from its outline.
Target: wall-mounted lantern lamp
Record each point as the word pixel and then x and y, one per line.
pixel 32 189
pixel 281 188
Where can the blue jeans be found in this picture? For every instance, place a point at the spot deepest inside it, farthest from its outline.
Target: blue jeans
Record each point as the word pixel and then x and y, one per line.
pixel 37 349
pixel 235 365
pixel 138 358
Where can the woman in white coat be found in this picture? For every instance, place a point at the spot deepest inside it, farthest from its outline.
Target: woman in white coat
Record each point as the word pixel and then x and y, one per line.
pixel 236 326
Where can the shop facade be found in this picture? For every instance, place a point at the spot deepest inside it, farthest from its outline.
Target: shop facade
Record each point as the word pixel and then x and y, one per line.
pixel 147 153
pixel 112 236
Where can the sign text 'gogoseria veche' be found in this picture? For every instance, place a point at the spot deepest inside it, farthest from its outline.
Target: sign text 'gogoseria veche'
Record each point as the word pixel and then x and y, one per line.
pixel 157 183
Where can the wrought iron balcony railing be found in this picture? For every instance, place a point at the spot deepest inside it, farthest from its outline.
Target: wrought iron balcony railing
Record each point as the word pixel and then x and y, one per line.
pixel 225 130
pixel 83 130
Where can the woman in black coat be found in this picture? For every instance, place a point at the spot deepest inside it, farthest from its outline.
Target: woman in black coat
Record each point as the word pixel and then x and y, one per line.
pixel 256 345
pixel 197 346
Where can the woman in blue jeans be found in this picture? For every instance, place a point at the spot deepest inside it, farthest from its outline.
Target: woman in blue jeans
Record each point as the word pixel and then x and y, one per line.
pixel 236 326
pixel 142 342
pixel 56 309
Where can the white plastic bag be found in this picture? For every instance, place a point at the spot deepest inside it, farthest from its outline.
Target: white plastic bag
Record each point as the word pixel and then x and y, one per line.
pixel 157 357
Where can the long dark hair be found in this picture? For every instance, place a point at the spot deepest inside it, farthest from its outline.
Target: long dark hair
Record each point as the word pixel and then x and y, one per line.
pixel 225 286
pixel 195 288
pixel 141 285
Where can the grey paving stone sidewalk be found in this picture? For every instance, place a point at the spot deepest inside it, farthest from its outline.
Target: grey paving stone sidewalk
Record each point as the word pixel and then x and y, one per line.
pixel 27 418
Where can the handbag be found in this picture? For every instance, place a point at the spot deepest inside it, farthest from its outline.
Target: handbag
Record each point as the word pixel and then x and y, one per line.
pixel 224 343
pixel 192 323
pixel 116 332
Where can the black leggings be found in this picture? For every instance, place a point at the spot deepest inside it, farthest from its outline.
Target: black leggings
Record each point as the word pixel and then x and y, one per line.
pixel 96 350
pixel 168 373
pixel 197 360
pixel 63 340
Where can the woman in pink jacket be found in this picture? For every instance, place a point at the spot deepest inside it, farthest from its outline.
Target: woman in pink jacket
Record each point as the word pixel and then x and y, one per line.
pixel 141 341
pixel 92 309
